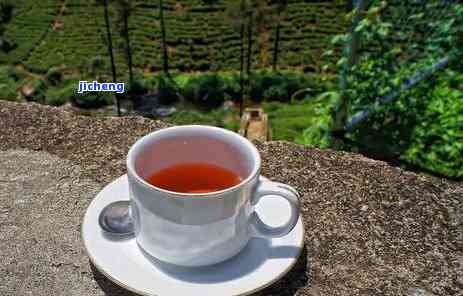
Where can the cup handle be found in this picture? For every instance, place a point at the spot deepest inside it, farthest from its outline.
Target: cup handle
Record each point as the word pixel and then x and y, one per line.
pixel 274 189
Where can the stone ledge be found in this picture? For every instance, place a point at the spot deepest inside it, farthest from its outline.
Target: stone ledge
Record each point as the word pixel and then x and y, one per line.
pixel 371 229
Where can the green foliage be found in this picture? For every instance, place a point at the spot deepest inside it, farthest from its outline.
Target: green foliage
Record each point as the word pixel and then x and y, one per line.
pixel 231 86
pixel 318 134
pixel 420 125
pixel 280 86
pixel 7 83
pixel 221 118
pixel 138 87
pixel 91 100
pixel 6 14
pixel 301 121
pixel 40 88
pixel 54 76
pixel 61 94
pixel 205 90
pixel 201 34
pixel 167 90
pixel 209 90
pixel 437 140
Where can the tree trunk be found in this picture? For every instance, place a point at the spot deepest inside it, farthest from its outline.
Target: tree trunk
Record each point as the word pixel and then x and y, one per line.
pixel 111 56
pixel 248 66
pixel 277 40
pixel 241 57
pixel 361 7
pixel 128 50
pixel 351 50
pixel 163 39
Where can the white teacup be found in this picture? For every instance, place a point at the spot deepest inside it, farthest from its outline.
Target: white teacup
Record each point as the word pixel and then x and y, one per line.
pixel 200 229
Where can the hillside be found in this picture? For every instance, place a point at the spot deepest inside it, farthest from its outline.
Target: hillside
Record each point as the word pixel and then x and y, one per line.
pixel 199 36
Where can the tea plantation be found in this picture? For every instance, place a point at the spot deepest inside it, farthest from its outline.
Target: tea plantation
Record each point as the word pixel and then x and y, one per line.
pixel 200 36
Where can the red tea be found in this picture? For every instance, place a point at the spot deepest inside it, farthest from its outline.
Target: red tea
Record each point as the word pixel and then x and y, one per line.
pixel 194 178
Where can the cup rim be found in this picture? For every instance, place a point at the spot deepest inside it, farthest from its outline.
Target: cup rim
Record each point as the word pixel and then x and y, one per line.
pixel 132 172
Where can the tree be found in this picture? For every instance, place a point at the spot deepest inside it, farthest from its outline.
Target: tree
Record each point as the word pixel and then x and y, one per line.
pixel 110 51
pixel 259 15
pixel 237 16
pixel 242 9
pixel 249 53
pixel 351 48
pixel 6 14
pixel 210 2
pixel 125 9
pixel 163 39
pixel 281 7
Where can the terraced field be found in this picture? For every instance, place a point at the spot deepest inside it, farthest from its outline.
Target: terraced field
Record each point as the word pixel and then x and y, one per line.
pixel 199 37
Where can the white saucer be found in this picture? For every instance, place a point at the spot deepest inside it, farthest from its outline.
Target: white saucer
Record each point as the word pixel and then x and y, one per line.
pixel 261 263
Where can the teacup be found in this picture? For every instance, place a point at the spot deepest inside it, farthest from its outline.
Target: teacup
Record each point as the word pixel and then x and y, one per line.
pixel 190 229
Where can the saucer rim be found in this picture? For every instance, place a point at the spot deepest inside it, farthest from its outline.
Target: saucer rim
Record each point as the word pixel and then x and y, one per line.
pixel 143 293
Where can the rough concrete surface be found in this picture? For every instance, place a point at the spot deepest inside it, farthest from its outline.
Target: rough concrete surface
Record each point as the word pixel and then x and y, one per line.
pixel 371 229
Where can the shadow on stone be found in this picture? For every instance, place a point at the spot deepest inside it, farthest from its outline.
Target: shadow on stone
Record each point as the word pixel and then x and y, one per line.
pixel 108 287
pixel 287 285
pixel 295 279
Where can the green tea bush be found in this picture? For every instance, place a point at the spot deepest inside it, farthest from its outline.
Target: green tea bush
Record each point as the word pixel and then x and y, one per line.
pixel 206 91
pixel 437 139
pixel 54 76
pixel 40 88
pixel 231 86
pixel 8 83
pixel 137 87
pixel 318 134
pixel 194 117
pixel 227 119
pixel 57 96
pixel 279 86
pixel 416 123
pixel 167 90
pixel 91 100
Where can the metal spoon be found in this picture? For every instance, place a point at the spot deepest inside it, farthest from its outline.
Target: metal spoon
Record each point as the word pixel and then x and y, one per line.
pixel 115 218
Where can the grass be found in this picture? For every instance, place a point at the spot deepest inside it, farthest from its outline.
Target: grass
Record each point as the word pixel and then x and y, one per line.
pixel 288 121
pixel 291 121
pixel 227 119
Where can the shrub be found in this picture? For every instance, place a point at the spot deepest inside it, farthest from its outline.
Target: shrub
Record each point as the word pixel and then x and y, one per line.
pixel 7 83
pixel 137 87
pixel 57 96
pixel 206 91
pixel 422 126
pixel 90 100
pixel 194 117
pixel 300 121
pixel 231 86
pixel 167 90
pixel 54 76
pixel 437 140
pixel 318 133
pixel 277 86
pixel 220 118
pixel 275 93
pixel 39 90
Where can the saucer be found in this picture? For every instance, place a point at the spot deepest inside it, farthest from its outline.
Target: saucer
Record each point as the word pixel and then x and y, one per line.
pixel 261 263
